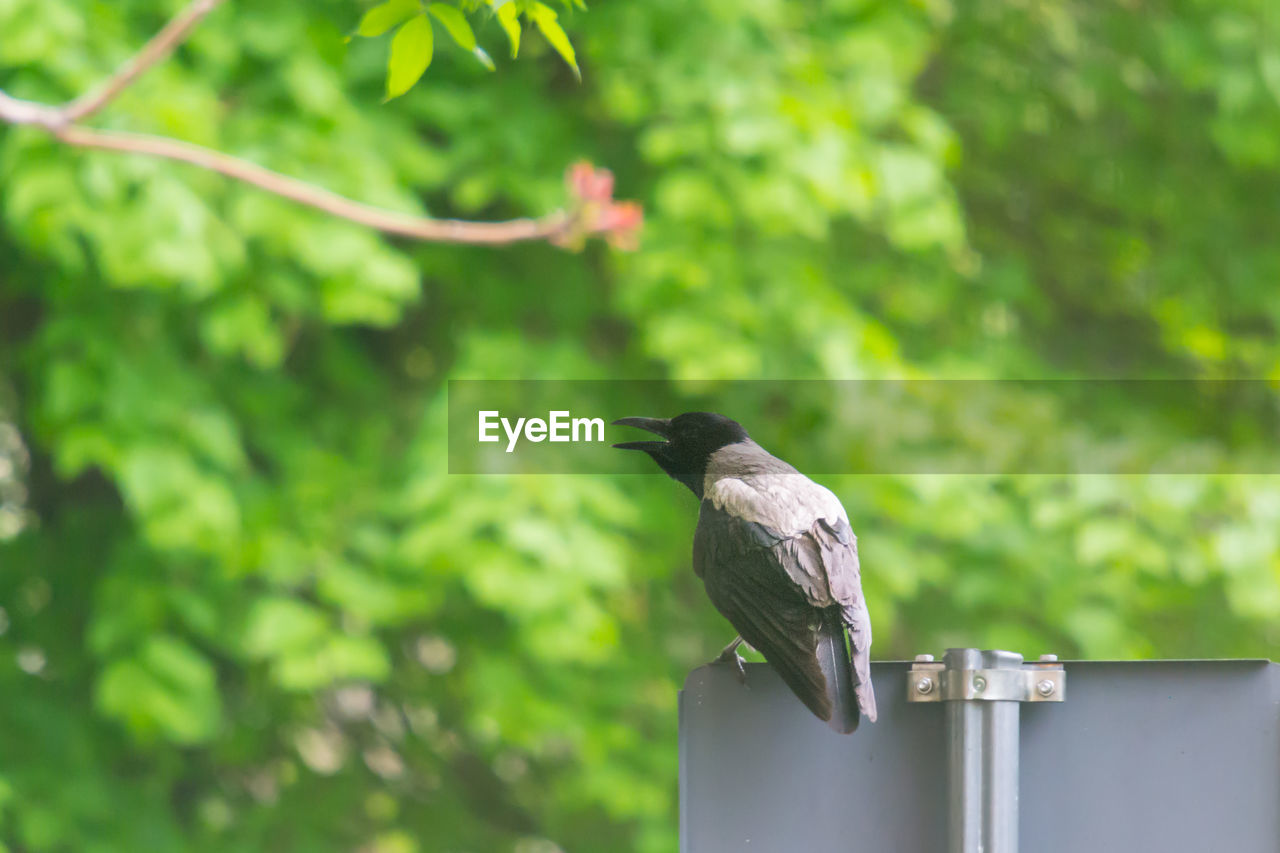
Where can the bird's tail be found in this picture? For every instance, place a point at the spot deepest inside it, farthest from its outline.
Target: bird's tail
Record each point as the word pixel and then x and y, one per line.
pixel 858 623
pixel 843 686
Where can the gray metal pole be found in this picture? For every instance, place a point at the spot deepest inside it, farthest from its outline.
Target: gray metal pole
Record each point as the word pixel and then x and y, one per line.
pixel 983 692
pixel 964 761
pixel 1000 770
pixel 982 737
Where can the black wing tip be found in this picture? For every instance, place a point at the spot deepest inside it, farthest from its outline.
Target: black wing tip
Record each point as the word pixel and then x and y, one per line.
pixel 845 726
pixel 847 714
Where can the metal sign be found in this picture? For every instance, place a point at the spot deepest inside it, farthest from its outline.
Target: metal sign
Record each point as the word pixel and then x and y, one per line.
pixel 1169 756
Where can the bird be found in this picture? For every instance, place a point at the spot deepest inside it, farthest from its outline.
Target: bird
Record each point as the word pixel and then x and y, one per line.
pixel 778 559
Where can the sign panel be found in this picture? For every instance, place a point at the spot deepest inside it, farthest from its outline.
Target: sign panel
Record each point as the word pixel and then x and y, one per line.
pixel 1169 756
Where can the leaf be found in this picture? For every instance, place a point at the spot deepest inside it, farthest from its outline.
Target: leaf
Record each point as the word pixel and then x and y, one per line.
pixel 546 19
pixel 386 16
pixel 509 20
pixel 483 56
pixel 411 50
pixel 456 24
pixel 168 688
pixel 339 658
pixel 279 625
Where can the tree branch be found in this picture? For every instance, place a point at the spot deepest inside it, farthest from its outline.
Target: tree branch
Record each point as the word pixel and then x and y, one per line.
pixel 592 210
pixel 404 225
pixel 161 45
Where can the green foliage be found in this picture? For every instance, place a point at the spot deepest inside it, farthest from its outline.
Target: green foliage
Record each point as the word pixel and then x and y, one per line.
pixel 168 688
pixel 250 609
pixel 412 46
pixel 549 25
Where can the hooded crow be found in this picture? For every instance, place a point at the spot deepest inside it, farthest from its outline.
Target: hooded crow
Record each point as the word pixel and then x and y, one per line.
pixel 778 560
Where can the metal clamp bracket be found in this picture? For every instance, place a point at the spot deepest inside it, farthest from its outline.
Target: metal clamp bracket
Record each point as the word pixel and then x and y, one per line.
pixel 982 694
pixel 1041 681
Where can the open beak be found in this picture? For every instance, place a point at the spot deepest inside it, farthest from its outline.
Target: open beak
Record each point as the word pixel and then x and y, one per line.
pixel 657 426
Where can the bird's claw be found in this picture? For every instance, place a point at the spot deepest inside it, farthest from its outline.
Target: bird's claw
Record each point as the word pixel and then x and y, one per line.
pixel 731 656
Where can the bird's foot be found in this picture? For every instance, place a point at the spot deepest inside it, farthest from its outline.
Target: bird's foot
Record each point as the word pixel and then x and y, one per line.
pixel 731 656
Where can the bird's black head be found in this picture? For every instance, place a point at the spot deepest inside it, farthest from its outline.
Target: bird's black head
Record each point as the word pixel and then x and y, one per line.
pixel 691 438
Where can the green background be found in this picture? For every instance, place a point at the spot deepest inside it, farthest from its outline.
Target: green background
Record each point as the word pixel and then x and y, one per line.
pixel 245 608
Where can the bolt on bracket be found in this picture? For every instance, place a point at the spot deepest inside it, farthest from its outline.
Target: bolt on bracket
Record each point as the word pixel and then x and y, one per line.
pixel 1038 681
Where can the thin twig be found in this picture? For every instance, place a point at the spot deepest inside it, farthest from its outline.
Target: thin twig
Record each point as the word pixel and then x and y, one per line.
pixel 390 222
pixel 593 211
pixel 161 45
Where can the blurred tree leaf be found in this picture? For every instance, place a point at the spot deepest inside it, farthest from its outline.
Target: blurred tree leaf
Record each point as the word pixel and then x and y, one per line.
pixel 546 20
pixel 456 24
pixel 277 626
pixel 386 16
pixel 167 688
pixel 411 50
pixel 508 15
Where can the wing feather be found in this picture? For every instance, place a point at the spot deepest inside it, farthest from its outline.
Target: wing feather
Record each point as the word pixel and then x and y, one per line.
pixel 791 598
